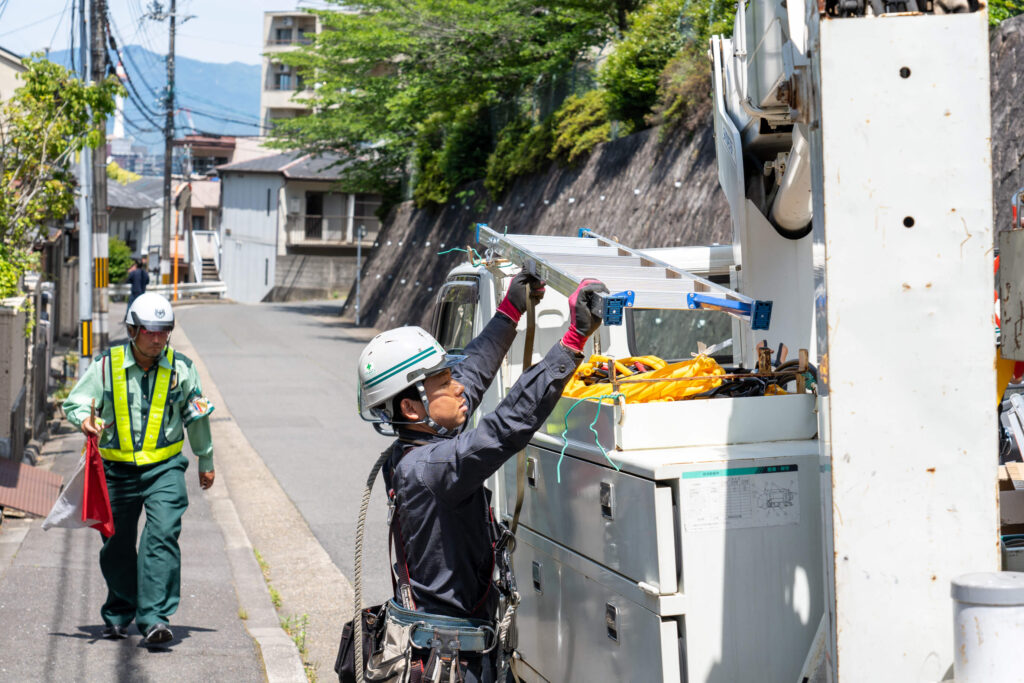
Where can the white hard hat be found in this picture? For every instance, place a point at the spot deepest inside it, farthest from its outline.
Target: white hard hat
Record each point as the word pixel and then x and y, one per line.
pixel 393 361
pixel 152 312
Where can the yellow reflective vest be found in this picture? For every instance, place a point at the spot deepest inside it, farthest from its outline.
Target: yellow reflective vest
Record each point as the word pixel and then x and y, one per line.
pixel 149 453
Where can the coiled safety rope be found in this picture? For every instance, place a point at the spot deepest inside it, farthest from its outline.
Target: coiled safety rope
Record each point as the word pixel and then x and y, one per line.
pixel 357 620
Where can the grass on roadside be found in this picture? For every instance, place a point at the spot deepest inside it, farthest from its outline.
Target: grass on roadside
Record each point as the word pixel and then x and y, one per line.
pixel 294 626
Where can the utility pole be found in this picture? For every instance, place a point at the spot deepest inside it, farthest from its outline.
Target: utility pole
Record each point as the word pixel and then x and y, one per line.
pixel 100 222
pixel 157 14
pixel 84 222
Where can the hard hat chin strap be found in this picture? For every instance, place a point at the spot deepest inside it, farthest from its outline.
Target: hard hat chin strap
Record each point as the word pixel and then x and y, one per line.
pixel 429 421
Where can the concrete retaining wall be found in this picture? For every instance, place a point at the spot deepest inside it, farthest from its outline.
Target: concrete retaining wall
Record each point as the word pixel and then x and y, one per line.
pixel 309 276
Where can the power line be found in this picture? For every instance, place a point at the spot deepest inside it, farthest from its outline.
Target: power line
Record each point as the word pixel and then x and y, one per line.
pixel 61 21
pixel 71 24
pixel 192 96
pixel 3 6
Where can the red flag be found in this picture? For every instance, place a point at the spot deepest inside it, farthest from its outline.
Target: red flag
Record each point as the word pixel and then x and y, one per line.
pixel 95 498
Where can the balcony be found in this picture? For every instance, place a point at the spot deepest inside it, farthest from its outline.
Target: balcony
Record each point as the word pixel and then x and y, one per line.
pixel 313 231
pixel 283 42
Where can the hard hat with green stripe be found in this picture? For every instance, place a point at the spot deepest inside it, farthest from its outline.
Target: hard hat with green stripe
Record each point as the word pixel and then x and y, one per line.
pixel 393 361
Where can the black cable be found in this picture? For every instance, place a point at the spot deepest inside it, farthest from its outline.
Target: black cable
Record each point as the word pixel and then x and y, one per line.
pixel 72 24
pixel 225 118
pixel 61 21
pixel 111 29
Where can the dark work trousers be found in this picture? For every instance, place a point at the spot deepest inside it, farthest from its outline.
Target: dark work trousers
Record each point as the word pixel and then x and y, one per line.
pixel 144 586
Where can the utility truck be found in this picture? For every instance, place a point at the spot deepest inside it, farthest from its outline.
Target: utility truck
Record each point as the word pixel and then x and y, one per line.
pixel 806 535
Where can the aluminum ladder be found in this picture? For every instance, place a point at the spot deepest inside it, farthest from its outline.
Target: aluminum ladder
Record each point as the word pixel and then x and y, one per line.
pixel 634 279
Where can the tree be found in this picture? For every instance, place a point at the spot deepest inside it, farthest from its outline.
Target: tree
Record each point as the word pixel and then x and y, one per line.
pixel 120 260
pixel 50 118
pixel 384 68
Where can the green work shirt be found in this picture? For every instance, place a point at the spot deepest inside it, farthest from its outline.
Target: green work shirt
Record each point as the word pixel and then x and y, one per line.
pixel 184 387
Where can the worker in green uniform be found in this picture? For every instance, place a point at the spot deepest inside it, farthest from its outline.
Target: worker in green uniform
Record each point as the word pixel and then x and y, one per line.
pixel 146 397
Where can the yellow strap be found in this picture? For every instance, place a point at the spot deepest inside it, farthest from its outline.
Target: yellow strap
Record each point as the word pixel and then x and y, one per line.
pixel 143 457
pixel 155 420
pixel 119 387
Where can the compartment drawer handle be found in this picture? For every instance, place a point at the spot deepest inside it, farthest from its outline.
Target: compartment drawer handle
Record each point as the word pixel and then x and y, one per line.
pixel 537 586
pixel 611 621
pixel 607 500
pixel 531 472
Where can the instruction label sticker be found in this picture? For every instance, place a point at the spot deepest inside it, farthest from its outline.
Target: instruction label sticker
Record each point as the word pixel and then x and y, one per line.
pixel 741 498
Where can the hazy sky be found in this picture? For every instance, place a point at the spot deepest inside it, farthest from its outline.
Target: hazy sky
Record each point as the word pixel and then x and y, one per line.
pixel 221 30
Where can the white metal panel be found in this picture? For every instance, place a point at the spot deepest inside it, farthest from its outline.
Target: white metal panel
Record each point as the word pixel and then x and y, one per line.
pixel 249 205
pixel 906 222
pixel 250 229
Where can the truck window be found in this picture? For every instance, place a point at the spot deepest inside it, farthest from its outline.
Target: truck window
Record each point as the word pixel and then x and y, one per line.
pixel 454 313
pixel 674 334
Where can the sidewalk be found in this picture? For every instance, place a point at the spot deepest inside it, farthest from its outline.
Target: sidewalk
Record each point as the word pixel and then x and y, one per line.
pixel 226 628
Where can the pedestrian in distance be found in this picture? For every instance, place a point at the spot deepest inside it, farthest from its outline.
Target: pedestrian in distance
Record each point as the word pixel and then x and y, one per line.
pixel 447 542
pixel 138 278
pixel 146 396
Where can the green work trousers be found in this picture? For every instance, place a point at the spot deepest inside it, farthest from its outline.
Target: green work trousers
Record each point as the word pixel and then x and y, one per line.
pixel 144 585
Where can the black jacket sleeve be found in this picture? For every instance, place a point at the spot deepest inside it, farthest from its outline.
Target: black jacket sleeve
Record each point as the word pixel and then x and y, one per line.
pixel 457 467
pixel 484 356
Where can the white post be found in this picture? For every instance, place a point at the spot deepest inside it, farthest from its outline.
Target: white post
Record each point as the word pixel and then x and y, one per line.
pixel 907 407
pixel 350 219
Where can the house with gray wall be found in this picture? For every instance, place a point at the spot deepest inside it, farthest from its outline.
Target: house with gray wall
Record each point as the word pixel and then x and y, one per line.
pixel 289 230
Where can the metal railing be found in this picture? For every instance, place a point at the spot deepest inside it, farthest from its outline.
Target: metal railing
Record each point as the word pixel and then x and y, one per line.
pixel 314 230
pixel 276 42
pixel 186 290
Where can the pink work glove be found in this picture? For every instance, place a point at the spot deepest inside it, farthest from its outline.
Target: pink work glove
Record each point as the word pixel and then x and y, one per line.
pixel 583 316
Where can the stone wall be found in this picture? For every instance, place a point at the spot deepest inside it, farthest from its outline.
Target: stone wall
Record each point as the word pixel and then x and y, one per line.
pixel 1007 64
pixel 639 189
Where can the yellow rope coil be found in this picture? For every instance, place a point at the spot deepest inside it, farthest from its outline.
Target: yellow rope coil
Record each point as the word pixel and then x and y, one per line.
pixel 703 367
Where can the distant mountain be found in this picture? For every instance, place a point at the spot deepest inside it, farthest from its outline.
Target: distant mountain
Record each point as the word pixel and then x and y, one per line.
pixel 223 99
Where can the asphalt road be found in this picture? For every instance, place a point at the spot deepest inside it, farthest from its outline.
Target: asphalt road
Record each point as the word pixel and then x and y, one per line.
pixel 288 375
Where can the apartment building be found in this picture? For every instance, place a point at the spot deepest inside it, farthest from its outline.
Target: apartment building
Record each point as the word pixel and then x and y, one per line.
pixel 283 32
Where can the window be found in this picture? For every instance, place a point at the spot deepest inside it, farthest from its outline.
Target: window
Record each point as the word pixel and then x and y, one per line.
pixel 365 212
pixel 674 334
pixel 283 36
pixel 453 316
pixel 198 222
pixel 284 81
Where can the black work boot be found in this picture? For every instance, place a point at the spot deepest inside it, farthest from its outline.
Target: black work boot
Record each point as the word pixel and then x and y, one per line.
pixel 158 633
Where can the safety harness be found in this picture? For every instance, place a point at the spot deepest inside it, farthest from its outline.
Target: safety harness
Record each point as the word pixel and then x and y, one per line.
pixel 149 452
pixel 447 637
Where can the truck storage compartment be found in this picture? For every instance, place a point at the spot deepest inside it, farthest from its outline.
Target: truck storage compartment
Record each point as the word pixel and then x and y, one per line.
pixel 744 539
pixel 621 521
pixel 574 627
pixel 700 422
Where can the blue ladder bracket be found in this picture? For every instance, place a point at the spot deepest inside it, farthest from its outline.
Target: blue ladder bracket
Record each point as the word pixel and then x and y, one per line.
pixel 584 232
pixel 613 305
pixel 759 312
pixel 478 226
pixel 761 318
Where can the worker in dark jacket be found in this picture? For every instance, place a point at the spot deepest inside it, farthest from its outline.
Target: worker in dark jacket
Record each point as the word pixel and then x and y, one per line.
pixel 444 528
pixel 138 278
